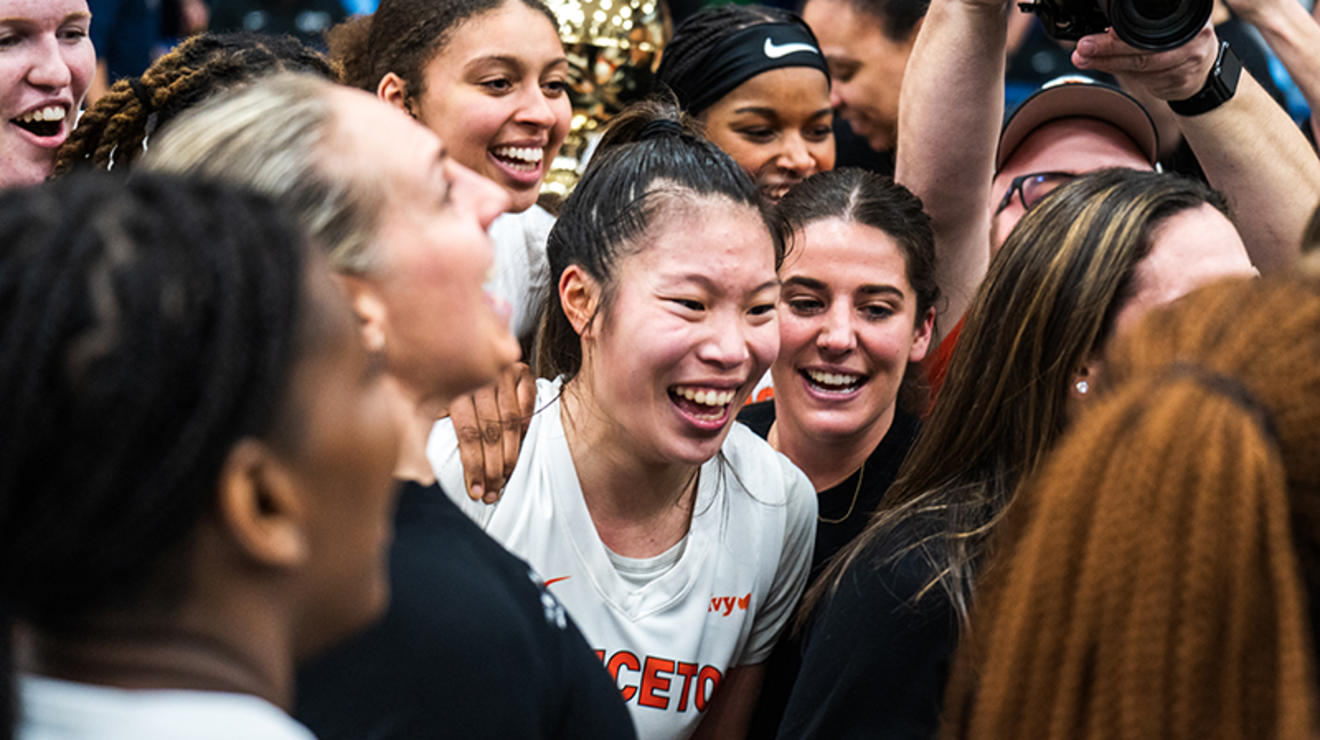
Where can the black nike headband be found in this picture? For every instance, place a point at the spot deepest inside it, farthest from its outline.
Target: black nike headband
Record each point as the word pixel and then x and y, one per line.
pixel 743 55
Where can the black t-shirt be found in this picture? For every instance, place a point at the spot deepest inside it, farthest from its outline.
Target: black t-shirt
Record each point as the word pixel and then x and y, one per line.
pixel 472 646
pixel 844 511
pixel 835 503
pixel 874 660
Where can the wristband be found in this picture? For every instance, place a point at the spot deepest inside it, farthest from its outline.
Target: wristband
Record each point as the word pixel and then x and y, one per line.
pixel 1219 85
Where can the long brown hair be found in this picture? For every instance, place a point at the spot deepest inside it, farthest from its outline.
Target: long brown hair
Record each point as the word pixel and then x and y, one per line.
pixel 1045 308
pixel 1157 580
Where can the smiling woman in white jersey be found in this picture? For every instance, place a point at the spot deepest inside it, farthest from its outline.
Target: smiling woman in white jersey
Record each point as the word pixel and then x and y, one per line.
pixel 678 540
pixel 491 79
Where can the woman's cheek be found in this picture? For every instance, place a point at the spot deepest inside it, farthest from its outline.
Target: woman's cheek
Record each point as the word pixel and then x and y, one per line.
pixel 763 345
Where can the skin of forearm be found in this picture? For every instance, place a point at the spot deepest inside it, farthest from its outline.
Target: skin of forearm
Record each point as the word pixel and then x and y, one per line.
pixel 1294 36
pixel 1252 152
pixel 950 109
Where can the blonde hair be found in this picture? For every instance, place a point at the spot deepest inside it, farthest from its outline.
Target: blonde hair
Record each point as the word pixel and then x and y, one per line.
pixel 1154 579
pixel 275 136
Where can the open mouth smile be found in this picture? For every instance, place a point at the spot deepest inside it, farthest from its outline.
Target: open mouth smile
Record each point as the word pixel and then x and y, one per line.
pixel 45 123
pixel 522 163
pixel 833 385
pixel 705 407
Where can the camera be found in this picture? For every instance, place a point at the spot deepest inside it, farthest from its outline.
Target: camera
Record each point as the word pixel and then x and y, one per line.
pixel 1146 24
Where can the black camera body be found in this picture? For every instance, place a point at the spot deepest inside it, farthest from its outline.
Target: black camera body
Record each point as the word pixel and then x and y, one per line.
pixel 1146 24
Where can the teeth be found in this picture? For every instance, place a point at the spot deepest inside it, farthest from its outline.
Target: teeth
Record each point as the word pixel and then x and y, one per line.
pixel 49 113
pixel 706 397
pixel 530 155
pixel 835 379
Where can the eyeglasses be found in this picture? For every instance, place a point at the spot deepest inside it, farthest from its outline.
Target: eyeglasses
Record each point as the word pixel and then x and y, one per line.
pixel 1031 187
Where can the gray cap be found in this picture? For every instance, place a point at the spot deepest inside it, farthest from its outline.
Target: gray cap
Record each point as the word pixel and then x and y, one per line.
pixel 1077 96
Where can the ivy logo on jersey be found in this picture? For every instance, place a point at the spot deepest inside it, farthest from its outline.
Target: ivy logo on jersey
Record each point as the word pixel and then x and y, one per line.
pixel 724 605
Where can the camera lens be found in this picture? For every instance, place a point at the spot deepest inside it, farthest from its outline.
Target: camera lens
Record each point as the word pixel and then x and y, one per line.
pixel 1157 24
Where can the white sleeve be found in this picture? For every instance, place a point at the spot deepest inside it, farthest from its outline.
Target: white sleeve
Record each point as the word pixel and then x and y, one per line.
pixel 442 452
pixel 794 565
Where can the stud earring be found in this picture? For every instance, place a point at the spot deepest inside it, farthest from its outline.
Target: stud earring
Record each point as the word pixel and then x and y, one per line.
pixel 1082 387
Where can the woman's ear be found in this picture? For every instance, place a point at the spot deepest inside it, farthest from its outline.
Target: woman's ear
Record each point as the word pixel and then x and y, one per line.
pixel 921 337
pixel 370 309
pixel 260 508
pixel 579 294
pixel 393 90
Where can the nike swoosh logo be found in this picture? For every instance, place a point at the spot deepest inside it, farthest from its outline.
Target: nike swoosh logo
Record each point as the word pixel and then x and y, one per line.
pixel 553 581
pixel 774 51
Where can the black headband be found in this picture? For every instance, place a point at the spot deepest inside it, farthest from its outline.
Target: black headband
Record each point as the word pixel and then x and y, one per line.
pixel 743 55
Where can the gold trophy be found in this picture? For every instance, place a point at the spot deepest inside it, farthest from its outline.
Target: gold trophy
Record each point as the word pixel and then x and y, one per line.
pixel 613 49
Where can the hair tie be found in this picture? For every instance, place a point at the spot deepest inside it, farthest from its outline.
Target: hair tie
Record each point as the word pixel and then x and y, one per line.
pixel 661 127
pixel 1229 387
pixel 141 92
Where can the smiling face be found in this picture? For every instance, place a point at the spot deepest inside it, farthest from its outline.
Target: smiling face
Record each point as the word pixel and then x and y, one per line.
pixel 497 94
pixel 848 328
pixel 689 329
pixel 444 334
pixel 776 126
pixel 46 63
pixel 866 66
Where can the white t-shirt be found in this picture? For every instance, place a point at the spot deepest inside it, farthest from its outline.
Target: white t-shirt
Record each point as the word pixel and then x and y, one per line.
pixel 670 639
pixel 522 274
pixel 52 709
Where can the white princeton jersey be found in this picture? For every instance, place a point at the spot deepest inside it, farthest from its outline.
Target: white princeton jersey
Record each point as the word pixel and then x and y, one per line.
pixel 667 635
pixel 522 274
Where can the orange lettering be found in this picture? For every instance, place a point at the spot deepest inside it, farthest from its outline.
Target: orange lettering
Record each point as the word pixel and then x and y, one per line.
pixel 708 673
pixel 652 682
pixel 744 601
pixel 623 659
pixel 688 671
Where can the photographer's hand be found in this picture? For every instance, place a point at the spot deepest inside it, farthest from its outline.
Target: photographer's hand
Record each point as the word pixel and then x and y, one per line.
pixel 1248 147
pixel 1173 74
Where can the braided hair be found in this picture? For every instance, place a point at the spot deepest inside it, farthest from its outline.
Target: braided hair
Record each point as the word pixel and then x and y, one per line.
pixel 145 327
pixel 114 130
pixel 402 36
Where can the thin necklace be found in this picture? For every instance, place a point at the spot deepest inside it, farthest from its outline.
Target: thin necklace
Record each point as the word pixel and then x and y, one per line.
pixel 860 472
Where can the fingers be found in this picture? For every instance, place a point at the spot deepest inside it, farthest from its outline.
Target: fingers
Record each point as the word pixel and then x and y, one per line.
pixel 471 454
pixel 1172 74
pixel 492 441
pixel 510 417
pixel 526 390
pixel 490 425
